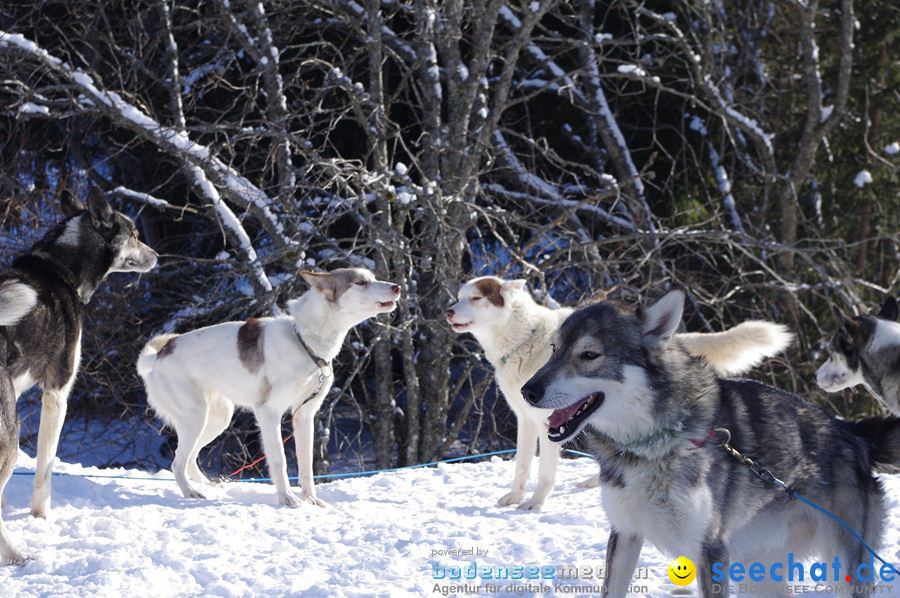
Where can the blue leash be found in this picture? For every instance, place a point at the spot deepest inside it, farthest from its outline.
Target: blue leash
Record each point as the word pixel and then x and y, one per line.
pixel 326 476
pixel 769 478
pixel 794 494
pixel 353 474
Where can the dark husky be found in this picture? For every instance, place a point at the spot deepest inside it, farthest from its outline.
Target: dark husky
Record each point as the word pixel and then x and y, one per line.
pixel 42 299
pixel 866 350
pixel 649 411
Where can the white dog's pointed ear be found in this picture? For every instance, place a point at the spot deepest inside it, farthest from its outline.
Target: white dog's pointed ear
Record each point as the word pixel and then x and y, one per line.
pixel 322 282
pixel 661 320
pixel 514 285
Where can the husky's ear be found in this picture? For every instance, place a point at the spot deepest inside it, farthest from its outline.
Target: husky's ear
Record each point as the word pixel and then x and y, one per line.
pixel 69 204
pixel 856 331
pixel 890 310
pixel 861 330
pixel 101 212
pixel 323 282
pixel 514 285
pixel 660 320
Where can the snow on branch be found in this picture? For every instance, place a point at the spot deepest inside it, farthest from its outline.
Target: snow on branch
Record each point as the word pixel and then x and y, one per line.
pixel 238 188
pixel 233 225
pixel 580 206
pixel 595 104
pixel 150 200
pixel 719 104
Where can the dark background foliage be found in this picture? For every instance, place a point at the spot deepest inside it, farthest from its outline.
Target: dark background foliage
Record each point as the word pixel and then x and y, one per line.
pixel 584 146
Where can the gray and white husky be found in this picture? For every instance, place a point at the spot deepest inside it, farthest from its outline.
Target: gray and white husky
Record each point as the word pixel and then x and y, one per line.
pixel 194 380
pixel 866 350
pixel 515 333
pixel 649 411
pixel 42 305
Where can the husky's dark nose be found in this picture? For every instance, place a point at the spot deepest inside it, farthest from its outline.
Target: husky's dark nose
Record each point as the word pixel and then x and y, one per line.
pixel 395 288
pixel 450 313
pixel 533 392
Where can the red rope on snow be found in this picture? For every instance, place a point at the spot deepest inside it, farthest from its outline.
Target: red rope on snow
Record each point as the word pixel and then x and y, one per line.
pixel 255 461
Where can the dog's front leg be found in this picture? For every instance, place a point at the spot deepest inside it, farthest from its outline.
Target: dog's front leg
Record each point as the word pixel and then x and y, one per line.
pixel 712 552
pixel 303 421
pixel 9 445
pixel 53 413
pixel 270 432
pixel 548 461
pixel 622 552
pixel 526 442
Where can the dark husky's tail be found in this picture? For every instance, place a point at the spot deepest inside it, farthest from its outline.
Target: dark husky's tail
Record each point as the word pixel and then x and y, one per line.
pixel 883 436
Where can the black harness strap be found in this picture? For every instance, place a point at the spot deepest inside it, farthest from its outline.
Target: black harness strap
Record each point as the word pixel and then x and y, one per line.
pixel 324 369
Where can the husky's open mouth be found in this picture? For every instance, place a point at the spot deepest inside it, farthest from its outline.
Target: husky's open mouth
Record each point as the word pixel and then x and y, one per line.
pixel 565 423
pixel 389 305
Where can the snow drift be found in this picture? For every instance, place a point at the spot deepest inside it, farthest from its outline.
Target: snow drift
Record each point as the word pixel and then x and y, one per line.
pixel 380 536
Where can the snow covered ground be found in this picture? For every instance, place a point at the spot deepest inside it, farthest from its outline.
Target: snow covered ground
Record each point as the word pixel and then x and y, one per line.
pixel 379 537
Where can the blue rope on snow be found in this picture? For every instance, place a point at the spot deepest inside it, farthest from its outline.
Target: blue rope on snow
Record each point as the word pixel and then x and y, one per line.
pixel 375 471
pixel 318 477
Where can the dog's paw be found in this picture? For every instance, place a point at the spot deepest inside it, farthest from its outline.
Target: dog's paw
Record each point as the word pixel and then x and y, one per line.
pixel 591 482
pixel 290 499
pixel 315 500
pixel 40 511
pixel 13 558
pixel 510 499
pixel 192 492
pixel 40 501
pixel 532 504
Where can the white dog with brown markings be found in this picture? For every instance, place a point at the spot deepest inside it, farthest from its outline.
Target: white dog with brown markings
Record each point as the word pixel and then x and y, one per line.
pixel 515 333
pixel 194 380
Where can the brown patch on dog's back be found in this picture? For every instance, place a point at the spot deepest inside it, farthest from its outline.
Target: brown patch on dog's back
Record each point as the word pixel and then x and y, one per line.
pixel 250 345
pixel 490 288
pixel 167 349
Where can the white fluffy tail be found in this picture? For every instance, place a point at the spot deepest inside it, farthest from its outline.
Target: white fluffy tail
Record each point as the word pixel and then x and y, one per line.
pixel 16 300
pixel 147 358
pixel 738 349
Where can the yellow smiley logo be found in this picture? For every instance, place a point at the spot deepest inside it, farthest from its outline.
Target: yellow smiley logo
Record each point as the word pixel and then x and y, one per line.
pixel 682 571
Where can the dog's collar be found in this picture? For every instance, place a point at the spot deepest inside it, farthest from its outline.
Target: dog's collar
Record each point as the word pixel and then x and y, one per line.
pixel 322 364
pixel 649 445
pixel 505 358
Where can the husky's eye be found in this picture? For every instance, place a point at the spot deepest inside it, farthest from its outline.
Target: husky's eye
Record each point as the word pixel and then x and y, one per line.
pixel 589 355
pixel 361 283
pixel 474 299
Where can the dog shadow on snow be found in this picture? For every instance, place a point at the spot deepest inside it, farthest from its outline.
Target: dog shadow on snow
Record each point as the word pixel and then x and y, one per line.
pixel 99 493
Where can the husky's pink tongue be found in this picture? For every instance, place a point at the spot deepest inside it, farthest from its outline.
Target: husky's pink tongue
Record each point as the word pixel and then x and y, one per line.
pixel 561 416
